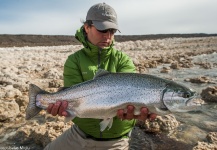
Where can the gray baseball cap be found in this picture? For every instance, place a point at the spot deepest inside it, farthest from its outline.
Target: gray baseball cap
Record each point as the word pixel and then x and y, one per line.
pixel 103 16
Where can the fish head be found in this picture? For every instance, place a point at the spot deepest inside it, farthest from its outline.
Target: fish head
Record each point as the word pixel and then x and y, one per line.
pixel 179 98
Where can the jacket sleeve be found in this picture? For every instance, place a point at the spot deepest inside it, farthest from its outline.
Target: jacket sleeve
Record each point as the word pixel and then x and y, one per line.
pixel 125 63
pixel 72 74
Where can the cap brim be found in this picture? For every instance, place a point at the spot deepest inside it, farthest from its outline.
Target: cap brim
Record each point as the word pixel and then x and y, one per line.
pixel 104 25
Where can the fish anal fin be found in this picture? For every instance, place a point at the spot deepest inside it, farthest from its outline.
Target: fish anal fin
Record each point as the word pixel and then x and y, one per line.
pixel 106 123
pixel 71 115
pixel 110 123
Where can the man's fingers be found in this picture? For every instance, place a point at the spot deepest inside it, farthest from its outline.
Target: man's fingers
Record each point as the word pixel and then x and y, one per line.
pixel 64 113
pixel 120 114
pixel 152 116
pixel 58 108
pixel 143 114
pixel 49 108
pixel 55 108
pixel 130 112
pixel 62 109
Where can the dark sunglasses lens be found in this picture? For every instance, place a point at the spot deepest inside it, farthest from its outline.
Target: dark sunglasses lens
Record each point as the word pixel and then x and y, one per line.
pixel 103 31
pixel 110 30
pixel 113 31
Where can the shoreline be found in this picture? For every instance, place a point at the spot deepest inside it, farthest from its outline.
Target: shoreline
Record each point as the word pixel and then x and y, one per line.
pixel 20 40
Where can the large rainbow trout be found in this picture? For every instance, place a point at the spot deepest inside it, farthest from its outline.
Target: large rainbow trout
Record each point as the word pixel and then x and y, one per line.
pixel 102 96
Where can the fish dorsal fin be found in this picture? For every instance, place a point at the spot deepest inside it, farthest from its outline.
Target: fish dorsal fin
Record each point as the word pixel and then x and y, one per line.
pixel 101 72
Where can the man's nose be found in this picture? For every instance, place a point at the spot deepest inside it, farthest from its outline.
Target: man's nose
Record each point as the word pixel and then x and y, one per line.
pixel 107 34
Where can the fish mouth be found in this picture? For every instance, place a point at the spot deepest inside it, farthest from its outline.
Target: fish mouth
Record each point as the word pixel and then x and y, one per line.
pixel 194 100
pixel 194 103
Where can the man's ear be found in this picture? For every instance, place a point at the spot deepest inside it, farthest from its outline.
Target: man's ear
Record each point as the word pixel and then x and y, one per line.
pixel 86 28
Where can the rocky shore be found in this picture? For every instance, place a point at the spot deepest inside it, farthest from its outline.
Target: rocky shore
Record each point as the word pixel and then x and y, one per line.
pixel 43 66
pixel 7 40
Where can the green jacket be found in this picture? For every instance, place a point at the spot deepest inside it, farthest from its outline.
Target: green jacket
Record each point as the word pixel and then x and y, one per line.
pixel 82 66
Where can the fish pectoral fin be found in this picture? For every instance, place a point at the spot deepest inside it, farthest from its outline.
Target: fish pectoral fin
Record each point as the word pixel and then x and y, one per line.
pixel 71 116
pixel 106 123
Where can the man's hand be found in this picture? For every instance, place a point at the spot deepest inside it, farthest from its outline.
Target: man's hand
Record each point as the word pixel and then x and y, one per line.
pixel 144 114
pixel 58 108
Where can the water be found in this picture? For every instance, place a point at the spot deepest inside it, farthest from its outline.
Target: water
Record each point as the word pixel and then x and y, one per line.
pixel 194 72
pixel 195 125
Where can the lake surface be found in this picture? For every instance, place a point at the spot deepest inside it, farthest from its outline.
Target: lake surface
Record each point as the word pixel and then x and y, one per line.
pixel 195 125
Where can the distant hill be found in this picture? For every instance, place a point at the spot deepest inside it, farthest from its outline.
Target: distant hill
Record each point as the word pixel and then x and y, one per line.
pixel 7 40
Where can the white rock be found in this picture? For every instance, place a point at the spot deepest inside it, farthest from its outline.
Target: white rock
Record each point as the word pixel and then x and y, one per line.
pixel 8 110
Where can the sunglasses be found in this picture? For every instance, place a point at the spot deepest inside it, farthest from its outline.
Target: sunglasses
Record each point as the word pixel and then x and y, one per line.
pixel 112 31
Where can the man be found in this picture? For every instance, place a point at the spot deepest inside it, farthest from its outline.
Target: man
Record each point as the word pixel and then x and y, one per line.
pixel 97 37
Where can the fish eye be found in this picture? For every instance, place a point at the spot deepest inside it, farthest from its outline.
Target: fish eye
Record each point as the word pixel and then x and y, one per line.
pixel 187 95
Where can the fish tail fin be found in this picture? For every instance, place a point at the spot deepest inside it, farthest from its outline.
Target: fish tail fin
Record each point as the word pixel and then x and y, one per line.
pixel 32 109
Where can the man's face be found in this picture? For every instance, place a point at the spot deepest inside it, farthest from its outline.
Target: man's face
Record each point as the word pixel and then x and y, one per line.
pixel 98 38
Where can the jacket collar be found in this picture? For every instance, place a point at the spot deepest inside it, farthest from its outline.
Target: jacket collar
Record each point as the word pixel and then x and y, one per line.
pixel 90 49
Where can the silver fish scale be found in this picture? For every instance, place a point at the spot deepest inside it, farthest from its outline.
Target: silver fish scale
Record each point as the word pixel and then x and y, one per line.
pixel 111 95
pixel 104 95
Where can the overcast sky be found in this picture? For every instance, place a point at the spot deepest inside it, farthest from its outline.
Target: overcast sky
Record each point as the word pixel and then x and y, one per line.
pixel 135 17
